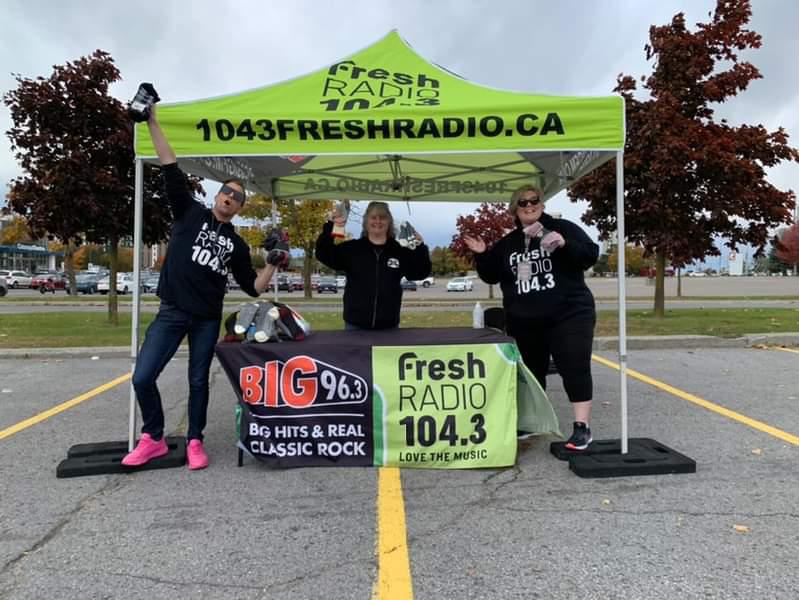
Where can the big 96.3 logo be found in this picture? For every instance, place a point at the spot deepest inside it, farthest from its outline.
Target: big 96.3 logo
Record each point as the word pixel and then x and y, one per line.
pixel 300 382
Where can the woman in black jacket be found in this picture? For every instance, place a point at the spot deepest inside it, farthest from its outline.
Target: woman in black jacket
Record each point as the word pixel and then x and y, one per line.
pixel 374 264
pixel 548 307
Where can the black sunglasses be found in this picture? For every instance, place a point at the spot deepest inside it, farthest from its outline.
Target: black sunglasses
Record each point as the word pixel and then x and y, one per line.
pixel 531 202
pixel 233 193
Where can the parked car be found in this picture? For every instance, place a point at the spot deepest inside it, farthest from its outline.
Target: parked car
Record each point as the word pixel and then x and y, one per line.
pixel 297 284
pixel 426 282
pixel 124 283
pixel 315 281
pixel 86 283
pixel 3 287
pixel 49 282
pixel 460 284
pixel 408 285
pixel 149 284
pixel 327 284
pixel 341 282
pixel 16 279
pixel 283 283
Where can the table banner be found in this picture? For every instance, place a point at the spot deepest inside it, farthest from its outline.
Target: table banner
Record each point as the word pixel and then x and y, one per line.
pixel 425 397
pixel 448 406
pixel 302 405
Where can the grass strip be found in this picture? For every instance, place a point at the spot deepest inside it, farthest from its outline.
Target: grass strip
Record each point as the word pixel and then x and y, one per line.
pixel 79 329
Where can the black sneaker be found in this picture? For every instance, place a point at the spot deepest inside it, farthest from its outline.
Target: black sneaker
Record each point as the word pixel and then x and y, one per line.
pixel 580 438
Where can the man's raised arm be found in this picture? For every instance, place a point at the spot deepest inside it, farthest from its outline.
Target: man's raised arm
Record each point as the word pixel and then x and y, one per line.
pixel 166 156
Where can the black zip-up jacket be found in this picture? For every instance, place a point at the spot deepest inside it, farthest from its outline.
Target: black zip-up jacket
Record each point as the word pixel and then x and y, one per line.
pixel 373 294
pixel 557 288
pixel 201 253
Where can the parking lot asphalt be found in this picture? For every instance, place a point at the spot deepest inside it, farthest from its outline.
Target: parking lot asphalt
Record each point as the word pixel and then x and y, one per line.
pixel 534 530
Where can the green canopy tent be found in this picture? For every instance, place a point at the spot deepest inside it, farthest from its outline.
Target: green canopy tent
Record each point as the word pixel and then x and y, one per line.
pixel 387 124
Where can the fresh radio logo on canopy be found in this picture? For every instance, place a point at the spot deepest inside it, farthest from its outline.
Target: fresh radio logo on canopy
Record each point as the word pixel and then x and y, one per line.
pixel 352 87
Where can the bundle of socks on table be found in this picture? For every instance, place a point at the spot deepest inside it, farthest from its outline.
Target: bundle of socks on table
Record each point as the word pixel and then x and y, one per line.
pixel 265 321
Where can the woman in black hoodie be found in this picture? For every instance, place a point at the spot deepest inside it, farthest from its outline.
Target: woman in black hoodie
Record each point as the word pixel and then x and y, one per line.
pixel 374 264
pixel 548 307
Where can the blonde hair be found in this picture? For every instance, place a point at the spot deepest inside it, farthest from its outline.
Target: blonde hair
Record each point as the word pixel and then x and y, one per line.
pixel 517 195
pixel 377 205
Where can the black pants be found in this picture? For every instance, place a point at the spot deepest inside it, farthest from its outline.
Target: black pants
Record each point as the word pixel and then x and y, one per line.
pixel 568 341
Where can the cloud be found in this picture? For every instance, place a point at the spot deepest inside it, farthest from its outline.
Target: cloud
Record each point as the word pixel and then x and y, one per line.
pixel 207 48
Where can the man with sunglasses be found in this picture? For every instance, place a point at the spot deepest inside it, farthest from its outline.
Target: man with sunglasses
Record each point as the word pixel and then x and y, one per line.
pixel 203 249
pixel 549 309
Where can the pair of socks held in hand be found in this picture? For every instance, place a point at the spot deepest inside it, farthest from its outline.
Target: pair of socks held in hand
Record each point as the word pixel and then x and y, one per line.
pixel 550 240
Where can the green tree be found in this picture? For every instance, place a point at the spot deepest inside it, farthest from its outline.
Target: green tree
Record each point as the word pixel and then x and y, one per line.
pixel 301 219
pixel 635 260
pixel 602 265
pixel 445 262
pixel 16 231
pixel 258 261
pixel 687 177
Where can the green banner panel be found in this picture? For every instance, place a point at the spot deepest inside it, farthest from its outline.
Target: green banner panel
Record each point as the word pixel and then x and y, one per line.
pixel 445 406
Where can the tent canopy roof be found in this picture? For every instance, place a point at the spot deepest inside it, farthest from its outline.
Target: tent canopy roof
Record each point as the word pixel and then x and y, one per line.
pixel 387 124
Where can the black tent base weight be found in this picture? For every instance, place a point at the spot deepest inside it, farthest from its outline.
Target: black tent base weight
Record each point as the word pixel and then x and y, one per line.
pixel 603 458
pixel 106 457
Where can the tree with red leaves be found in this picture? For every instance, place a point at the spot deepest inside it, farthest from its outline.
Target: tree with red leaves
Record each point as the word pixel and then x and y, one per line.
pixel 788 246
pixel 688 178
pixel 490 222
pixel 74 143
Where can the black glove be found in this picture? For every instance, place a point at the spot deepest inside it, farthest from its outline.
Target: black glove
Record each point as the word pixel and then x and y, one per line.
pixel 279 257
pixel 139 107
pixel 276 239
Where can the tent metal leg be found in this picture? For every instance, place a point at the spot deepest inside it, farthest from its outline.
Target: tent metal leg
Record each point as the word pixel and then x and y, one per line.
pixel 622 297
pixel 134 325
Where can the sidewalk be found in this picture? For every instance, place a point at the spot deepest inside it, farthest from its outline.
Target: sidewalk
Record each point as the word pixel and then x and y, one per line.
pixel 651 342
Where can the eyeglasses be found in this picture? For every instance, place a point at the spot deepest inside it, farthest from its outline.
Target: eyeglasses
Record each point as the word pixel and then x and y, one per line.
pixel 233 193
pixel 529 202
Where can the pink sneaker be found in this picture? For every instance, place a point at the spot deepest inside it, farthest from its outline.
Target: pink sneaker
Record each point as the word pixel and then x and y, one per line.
pixel 195 452
pixel 146 450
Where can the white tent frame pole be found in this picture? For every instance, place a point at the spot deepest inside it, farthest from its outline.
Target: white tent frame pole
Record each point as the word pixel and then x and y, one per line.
pixel 274 228
pixel 620 239
pixel 138 206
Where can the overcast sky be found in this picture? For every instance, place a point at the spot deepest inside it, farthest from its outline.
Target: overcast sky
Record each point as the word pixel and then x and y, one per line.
pixel 201 48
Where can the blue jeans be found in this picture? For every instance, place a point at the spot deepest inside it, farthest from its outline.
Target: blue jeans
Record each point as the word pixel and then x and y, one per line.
pixel 160 344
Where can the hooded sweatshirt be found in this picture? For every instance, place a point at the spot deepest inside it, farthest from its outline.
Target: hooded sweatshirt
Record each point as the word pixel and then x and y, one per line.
pixel 201 253
pixel 556 288
pixel 373 294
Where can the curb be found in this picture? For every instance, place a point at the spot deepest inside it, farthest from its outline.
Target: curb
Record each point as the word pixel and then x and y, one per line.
pixel 651 342
pixel 60 353
pixel 688 342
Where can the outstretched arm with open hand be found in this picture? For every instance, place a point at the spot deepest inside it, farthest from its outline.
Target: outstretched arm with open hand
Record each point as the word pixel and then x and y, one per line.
pixel 475 244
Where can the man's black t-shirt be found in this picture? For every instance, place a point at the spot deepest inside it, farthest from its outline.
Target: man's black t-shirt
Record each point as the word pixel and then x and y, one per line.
pixel 201 253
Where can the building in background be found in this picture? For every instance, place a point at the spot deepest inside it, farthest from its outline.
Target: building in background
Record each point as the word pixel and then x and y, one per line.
pixel 735 263
pixel 30 258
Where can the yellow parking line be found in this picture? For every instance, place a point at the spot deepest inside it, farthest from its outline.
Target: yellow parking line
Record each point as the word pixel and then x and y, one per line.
pixel 785 349
pixel 9 431
pixel 393 567
pixel 755 424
